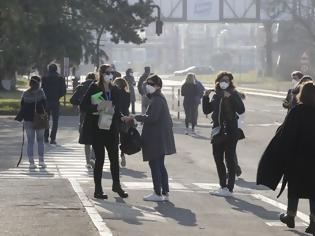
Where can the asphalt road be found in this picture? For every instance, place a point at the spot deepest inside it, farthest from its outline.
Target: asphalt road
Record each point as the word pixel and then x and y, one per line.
pixel 253 210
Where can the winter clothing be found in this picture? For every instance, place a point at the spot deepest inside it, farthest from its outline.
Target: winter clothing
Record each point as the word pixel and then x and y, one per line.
pixel 190 92
pixel 27 109
pixel 54 87
pixel 290 154
pixel 224 144
pixel 101 139
pixel 157 134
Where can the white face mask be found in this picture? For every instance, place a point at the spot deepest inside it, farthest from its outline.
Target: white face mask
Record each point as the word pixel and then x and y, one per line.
pixel 108 78
pixel 294 82
pixel 131 74
pixel 224 85
pixel 150 89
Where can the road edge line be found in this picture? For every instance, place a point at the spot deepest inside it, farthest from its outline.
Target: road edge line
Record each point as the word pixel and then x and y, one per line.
pixel 96 218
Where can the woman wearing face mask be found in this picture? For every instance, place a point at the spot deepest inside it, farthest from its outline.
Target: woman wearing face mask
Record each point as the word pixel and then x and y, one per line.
pixel 225 106
pixel 157 138
pixel 131 83
pixel 290 101
pixel 102 138
pixel 32 97
pixel 123 106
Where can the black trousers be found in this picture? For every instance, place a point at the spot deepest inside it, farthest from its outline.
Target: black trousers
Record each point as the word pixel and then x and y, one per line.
pixel 109 140
pixel 52 110
pixel 293 206
pixel 225 149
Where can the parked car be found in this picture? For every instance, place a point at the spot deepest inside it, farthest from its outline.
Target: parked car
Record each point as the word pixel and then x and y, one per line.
pixel 198 70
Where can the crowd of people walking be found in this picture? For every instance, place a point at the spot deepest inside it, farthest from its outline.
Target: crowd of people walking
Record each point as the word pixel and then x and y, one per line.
pixel 104 101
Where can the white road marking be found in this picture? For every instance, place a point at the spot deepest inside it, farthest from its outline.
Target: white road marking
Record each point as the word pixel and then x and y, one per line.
pixel 302 216
pixel 91 210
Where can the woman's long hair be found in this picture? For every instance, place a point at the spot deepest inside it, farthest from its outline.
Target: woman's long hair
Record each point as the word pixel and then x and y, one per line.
pixel 222 74
pixel 122 84
pixel 190 78
pixel 101 72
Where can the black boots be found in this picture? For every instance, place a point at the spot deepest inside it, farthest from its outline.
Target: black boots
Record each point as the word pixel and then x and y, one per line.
pixel 100 195
pixel 117 189
pixel 288 220
pixel 311 228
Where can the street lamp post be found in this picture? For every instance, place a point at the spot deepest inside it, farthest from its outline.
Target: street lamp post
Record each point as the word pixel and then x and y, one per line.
pixel 158 22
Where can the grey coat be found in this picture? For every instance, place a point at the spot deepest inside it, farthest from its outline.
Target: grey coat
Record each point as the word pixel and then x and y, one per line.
pixel 157 133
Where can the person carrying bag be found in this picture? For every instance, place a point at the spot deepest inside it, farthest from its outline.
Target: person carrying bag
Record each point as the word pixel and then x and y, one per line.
pixel 33 114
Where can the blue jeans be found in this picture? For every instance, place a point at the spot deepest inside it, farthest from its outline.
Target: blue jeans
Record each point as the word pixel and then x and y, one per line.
pixel 30 133
pixel 159 176
pixel 53 110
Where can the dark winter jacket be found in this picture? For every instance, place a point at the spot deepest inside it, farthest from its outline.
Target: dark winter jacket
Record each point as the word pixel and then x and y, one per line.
pixel 28 100
pixel 230 108
pixel 90 123
pixel 190 92
pixel 140 83
pixel 157 133
pixel 79 92
pixel 201 90
pixel 291 155
pixel 54 87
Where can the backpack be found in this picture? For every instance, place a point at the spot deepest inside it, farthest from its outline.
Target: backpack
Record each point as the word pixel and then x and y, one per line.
pixel 79 93
pixel 131 142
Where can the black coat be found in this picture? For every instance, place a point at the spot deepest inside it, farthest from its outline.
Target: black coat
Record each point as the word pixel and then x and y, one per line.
pixel 291 154
pixel 189 92
pixel 54 87
pixel 90 123
pixel 230 108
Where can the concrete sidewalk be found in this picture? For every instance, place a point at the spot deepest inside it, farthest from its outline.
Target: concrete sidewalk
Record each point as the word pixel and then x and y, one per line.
pixel 42 207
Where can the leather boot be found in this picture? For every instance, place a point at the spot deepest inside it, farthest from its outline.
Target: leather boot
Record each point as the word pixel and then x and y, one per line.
pixel 117 189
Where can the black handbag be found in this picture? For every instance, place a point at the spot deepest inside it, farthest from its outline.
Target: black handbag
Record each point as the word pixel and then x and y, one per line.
pixel 40 121
pixel 131 142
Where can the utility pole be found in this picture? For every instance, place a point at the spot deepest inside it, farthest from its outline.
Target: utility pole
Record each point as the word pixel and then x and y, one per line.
pixel 158 22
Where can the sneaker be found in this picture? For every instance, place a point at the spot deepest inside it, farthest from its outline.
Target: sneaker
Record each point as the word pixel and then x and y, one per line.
pixel 153 197
pixel 32 166
pixel 186 131
pixel 166 197
pixel 123 160
pixel 223 192
pixel 42 164
pixel 53 142
pixel 288 220
pixel 88 166
pixel 311 228
pixel 92 163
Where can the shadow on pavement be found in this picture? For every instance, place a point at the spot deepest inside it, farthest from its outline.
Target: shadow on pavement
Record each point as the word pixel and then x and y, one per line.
pixel 133 173
pixel 181 215
pixel 244 206
pixel 298 233
pixel 252 185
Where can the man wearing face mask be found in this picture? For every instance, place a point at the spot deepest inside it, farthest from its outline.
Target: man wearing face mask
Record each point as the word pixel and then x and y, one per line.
pixel 225 106
pixel 290 100
pixel 141 88
pixel 101 138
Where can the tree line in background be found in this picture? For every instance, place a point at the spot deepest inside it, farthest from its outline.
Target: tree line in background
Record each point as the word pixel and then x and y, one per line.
pixel 33 33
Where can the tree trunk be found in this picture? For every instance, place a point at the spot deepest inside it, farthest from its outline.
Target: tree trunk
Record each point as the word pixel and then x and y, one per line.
pixel 269 49
pixel 99 36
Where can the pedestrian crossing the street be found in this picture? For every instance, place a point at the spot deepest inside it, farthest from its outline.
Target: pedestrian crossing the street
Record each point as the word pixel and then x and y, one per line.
pixel 66 161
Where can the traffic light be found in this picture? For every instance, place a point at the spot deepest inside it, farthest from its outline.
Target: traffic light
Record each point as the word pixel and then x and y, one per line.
pixel 159 27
